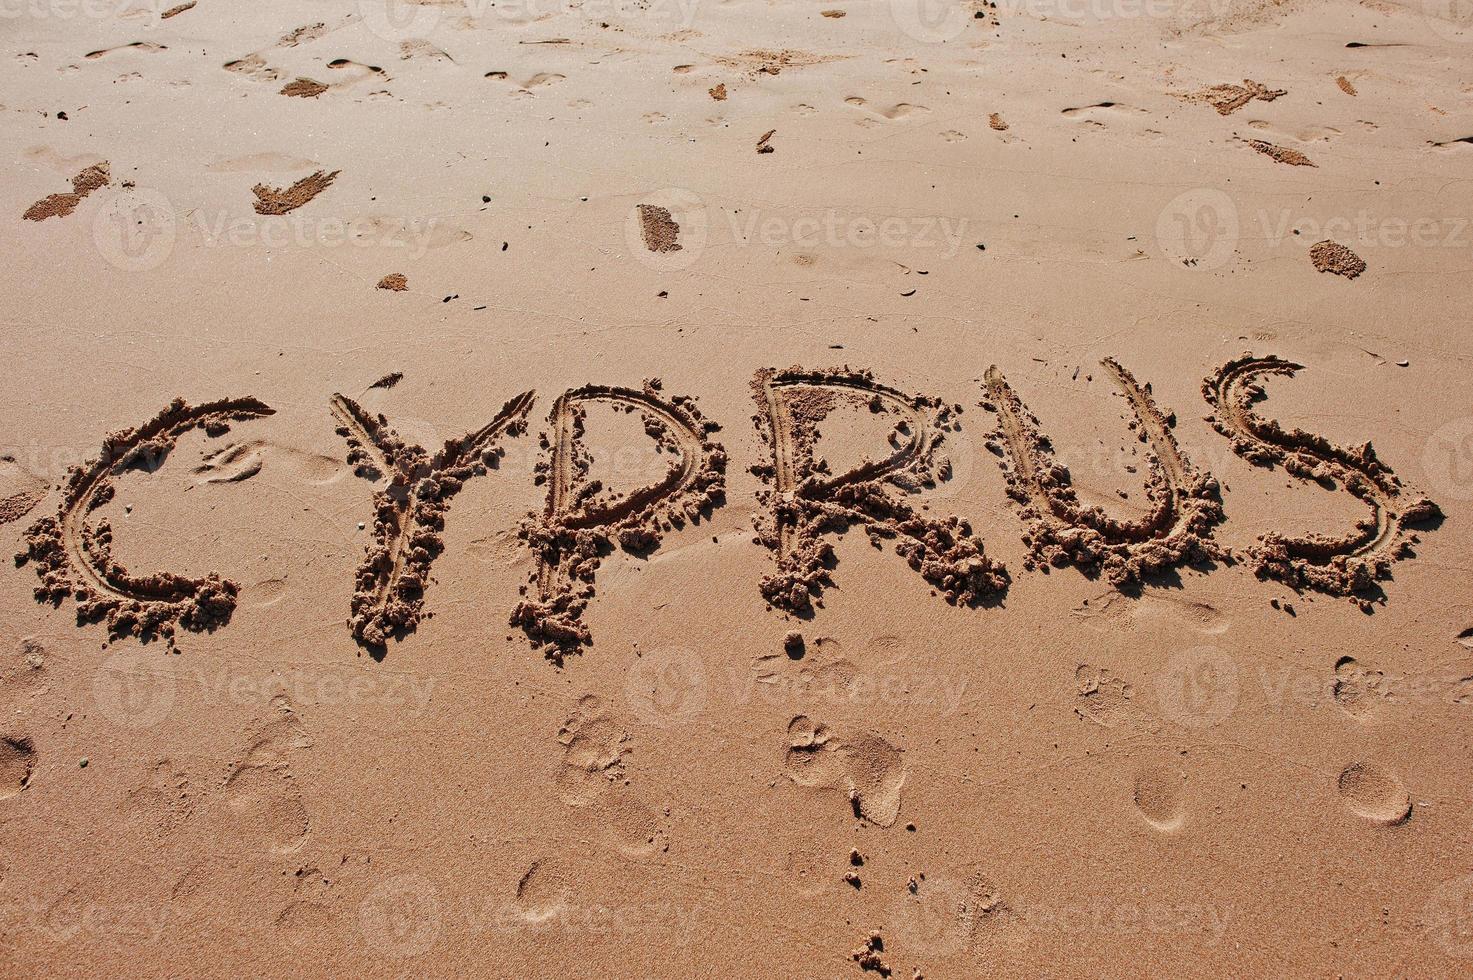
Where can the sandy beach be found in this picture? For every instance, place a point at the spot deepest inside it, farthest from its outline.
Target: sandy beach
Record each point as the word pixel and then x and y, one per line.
pixel 704 488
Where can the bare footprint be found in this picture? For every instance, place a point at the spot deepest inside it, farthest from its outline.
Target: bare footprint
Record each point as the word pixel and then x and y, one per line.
pixel 148 47
pixel 162 801
pixel 17 765
pixel 1101 113
pixel 592 776
pixel 1357 690
pixel 1375 793
pixel 1158 796
pixel 20 490
pixel 541 893
pixel 1100 696
pixel 898 111
pixel 23 670
pixel 868 768
pixel 263 805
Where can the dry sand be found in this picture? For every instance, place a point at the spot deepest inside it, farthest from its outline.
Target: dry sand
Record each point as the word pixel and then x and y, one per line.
pixel 966 536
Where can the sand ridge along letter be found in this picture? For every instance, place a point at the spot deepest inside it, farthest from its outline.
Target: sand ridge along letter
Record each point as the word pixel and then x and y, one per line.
pixel 583 518
pixel 1184 505
pixel 805 503
pixel 76 559
pixel 409 509
pixel 1348 565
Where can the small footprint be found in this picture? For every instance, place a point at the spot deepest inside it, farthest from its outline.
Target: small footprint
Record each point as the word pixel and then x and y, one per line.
pixel 162 802
pixel 898 111
pixel 1356 689
pixel 1100 696
pixel 145 46
pixel 593 776
pixel 17 765
pixel 1374 793
pixel 867 767
pixel 541 892
pixel 263 805
pixel 1158 796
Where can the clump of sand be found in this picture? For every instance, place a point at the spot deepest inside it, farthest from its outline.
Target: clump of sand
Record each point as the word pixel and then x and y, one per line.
pixel 1329 256
pixel 1281 154
pixel 661 232
pixel 303 88
pixel 394 282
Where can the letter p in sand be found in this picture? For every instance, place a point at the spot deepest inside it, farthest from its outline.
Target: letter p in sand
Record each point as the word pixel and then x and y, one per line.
pixel 583 518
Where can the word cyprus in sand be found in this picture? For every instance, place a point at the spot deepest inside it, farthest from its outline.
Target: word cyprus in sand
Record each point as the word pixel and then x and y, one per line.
pixel 804 504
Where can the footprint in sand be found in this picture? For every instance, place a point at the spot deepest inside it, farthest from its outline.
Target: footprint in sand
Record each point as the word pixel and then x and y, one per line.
pixel 148 47
pixel 541 893
pixel 263 807
pixel 23 670
pixel 1101 113
pixel 898 111
pixel 1357 689
pixel 17 765
pixel 419 49
pixel 1100 696
pixel 1158 797
pixel 866 767
pixel 236 462
pixel 19 490
pixel 949 912
pixel 1113 611
pixel 592 776
pixel 1375 793
pixel 162 801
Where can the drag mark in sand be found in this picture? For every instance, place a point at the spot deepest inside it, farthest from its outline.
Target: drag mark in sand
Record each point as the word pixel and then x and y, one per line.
pixel 61 205
pixel 582 518
pixel 1348 565
pixel 1184 504
pixel 409 511
pixel 806 503
pixel 72 558
pixel 280 200
pixel 1228 98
